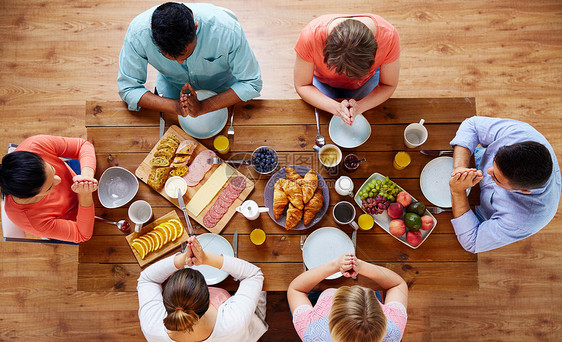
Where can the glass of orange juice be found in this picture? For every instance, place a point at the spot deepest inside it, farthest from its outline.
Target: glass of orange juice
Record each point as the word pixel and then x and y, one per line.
pixel 401 160
pixel 366 221
pixel 257 236
pixel 221 144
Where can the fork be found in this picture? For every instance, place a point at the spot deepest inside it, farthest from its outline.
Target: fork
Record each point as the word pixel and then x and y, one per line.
pixel 437 210
pixel 231 128
pixel 303 239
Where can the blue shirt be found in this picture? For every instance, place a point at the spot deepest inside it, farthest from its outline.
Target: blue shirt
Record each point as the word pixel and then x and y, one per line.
pixel 222 58
pixel 503 216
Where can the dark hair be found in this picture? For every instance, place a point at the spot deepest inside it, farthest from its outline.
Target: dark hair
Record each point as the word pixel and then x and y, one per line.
pixel 173 28
pixel 350 49
pixel 186 299
pixel 527 165
pixel 22 174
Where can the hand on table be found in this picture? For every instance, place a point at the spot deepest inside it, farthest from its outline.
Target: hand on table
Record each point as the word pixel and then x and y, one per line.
pixel 188 103
pixel 84 185
pixel 347 265
pixel 460 181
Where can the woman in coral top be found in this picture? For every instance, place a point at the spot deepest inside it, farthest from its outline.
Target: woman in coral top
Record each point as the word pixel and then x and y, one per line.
pixel 347 57
pixel 43 195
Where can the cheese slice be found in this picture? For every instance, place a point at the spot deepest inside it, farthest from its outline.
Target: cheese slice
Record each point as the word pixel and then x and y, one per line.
pixel 207 192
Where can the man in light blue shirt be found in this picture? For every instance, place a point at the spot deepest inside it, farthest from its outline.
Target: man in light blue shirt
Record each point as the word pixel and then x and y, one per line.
pixel 200 47
pixel 519 180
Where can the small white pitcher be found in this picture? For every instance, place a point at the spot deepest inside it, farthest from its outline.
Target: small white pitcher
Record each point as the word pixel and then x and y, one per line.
pixel 251 210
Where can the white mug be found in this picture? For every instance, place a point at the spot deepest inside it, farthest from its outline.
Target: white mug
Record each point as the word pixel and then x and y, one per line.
pixel 415 134
pixel 251 210
pixel 344 213
pixel 140 212
pixel 330 155
pixel 344 186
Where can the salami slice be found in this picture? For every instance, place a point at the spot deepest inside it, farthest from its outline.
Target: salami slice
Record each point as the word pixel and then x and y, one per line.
pixel 209 222
pixel 238 183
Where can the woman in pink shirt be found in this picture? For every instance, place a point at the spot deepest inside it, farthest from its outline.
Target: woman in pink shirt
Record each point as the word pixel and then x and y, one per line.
pixel 347 57
pixel 43 195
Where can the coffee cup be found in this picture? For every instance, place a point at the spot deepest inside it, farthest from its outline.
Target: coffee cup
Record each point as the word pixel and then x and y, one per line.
pixel 140 212
pixel 344 186
pixel 415 134
pixel 330 155
pixel 344 213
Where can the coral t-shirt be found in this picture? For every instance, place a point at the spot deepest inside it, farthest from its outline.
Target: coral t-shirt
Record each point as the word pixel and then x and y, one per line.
pixel 312 40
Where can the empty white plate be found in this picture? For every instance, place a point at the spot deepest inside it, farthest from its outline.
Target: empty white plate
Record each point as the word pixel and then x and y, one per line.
pixel 216 244
pixel 434 181
pixel 349 136
pixel 206 125
pixel 324 245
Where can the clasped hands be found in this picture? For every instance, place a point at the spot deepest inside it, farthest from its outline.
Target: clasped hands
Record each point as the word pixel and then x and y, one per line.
pixel 464 178
pixel 347 264
pixel 84 184
pixel 348 110
pixel 188 104
pixel 194 253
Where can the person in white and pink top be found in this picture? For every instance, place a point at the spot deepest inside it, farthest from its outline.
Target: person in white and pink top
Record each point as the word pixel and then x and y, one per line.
pixel 187 310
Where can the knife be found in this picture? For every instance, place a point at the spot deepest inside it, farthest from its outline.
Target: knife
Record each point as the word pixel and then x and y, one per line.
pixel 436 153
pixel 162 121
pixel 354 239
pixel 235 244
pixel 189 230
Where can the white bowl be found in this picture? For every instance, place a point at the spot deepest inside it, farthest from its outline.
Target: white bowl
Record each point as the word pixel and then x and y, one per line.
pixel 349 136
pixel 117 186
pixel 206 125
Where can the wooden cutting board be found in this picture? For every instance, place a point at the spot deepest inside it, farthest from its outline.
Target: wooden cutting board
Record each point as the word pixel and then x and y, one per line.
pixel 144 169
pixel 150 257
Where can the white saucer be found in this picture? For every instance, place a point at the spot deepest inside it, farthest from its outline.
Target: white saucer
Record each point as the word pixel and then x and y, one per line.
pixel 324 245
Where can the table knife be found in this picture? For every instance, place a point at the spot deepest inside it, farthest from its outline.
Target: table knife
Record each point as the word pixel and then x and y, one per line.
pixel 436 153
pixel 189 230
pixel 235 244
pixel 162 121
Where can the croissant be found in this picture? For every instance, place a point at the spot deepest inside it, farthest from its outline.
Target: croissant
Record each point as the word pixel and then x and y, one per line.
pixel 292 174
pixel 313 206
pixel 294 193
pixel 294 216
pixel 309 184
pixel 280 199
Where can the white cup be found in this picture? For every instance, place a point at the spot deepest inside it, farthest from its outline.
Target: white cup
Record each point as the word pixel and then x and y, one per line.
pixel 330 155
pixel 140 212
pixel 415 134
pixel 344 213
pixel 344 186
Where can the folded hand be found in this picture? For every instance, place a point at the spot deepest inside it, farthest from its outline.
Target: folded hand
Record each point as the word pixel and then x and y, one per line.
pixel 188 103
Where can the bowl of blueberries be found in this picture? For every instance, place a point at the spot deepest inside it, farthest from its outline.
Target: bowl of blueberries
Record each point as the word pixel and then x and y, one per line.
pixel 264 160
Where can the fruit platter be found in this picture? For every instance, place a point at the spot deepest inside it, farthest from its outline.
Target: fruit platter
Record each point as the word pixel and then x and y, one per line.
pixel 395 210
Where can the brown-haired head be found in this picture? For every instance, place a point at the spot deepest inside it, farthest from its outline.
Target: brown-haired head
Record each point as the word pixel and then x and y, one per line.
pixel 350 49
pixel 356 315
pixel 186 299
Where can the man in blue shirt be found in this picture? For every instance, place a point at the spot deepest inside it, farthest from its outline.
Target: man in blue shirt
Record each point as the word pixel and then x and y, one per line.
pixel 200 47
pixel 519 180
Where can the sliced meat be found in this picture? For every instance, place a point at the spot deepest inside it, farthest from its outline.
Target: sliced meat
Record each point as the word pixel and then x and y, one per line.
pixel 238 183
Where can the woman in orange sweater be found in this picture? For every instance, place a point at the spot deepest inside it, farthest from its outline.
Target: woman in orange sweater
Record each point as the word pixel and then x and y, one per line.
pixel 43 195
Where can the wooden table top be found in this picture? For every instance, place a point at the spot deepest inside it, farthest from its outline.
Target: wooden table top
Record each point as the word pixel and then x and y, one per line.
pixel 123 138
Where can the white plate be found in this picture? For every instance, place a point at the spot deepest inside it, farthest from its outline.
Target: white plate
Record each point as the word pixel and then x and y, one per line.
pixel 434 181
pixel 383 220
pixel 349 136
pixel 324 245
pixel 215 244
pixel 206 125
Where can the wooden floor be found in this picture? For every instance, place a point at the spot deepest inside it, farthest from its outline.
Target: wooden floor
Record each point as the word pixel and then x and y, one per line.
pixel 507 54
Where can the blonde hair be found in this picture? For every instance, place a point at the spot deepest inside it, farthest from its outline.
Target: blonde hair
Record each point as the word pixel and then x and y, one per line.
pixel 186 299
pixel 350 49
pixel 356 316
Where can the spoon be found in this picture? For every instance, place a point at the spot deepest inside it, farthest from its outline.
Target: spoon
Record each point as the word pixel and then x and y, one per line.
pixel 122 225
pixel 319 140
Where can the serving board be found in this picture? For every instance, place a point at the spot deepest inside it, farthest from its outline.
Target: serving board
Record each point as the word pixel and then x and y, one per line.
pixel 150 257
pixel 144 169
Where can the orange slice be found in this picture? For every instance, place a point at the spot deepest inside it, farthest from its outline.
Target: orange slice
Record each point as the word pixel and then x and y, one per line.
pixel 151 241
pixel 179 227
pixel 165 231
pixel 139 248
pixel 162 235
pixel 144 243
pixel 157 238
pixel 171 229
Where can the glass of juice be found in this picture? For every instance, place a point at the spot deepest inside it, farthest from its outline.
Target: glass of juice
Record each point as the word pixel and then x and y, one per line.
pixel 366 221
pixel 221 144
pixel 257 236
pixel 401 160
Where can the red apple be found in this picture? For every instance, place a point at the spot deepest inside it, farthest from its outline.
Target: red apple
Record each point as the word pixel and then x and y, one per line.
pixel 404 198
pixel 397 227
pixel 414 238
pixel 395 210
pixel 427 222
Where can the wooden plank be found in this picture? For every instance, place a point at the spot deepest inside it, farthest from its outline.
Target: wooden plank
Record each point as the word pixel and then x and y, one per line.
pixel 419 276
pixel 286 138
pixel 267 112
pixel 286 248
